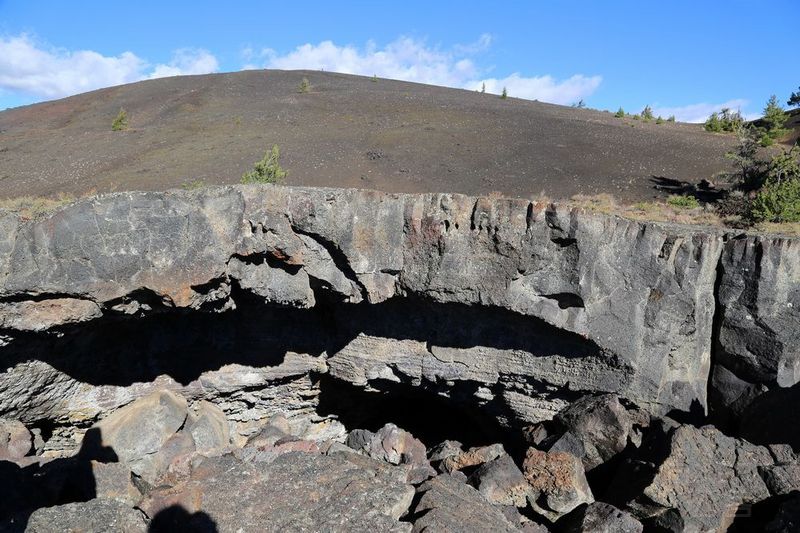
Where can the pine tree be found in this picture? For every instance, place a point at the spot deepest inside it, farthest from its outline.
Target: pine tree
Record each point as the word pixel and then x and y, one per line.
pixel 794 99
pixel 713 123
pixel 774 116
pixel 121 122
pixel 268 170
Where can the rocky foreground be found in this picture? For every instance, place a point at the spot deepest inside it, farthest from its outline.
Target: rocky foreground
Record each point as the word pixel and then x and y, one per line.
pixel 270 358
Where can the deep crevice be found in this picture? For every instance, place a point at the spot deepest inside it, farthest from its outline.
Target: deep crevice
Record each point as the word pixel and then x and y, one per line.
pixel 563 242
pixel 566 300
pixel 261 258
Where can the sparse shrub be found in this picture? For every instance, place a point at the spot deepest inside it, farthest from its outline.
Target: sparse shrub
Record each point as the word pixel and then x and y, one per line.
pixel 237 120
pixel 659 120
pixel 580 104
pixel 268 170
pixel 374 78
pixel 671 118
pixel 304 86
pixel 635 117
pixel 504 94
pixel 647 114
pixel 683 201
pixel 121 122
pixel 777 202
pixel 483 87
pixel 620 113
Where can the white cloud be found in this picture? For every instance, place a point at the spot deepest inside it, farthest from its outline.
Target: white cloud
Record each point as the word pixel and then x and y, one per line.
pixel 413 60
pixel 403 59
pixel 187 61
pixel 544 88
pixel 35 69
pixel 700 112
pixel 28 68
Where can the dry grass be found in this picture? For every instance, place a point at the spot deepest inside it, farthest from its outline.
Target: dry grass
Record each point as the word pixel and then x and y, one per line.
pixel 678 214
pixel 29 207
pixel 599 203
pixel 785 228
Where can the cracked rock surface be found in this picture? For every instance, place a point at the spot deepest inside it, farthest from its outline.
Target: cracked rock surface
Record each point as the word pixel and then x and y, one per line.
pixel 251 329
pixel 591 303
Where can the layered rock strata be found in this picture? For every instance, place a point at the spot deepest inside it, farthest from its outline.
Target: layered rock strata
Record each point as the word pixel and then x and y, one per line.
pixel 244 295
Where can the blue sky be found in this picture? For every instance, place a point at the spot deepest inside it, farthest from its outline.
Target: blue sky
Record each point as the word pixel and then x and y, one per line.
pixel 681 57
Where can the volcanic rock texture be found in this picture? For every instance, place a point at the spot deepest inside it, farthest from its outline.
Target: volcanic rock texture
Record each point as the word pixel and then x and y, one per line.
pixel 335 309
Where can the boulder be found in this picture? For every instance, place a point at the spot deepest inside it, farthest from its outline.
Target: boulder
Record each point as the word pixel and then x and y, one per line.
pixel 15 440
pixel 599 427
pixel 136 432
pixel 208 426
pixel 112 481
pixel 268 436
pixel 98 516
pixel 296 491
pixel 781 479
pixel 501 482
pixel 395 446
pixel 472 457
pixel 443 450
pixel 558 482
pixel 269 452
pixel 448 504
pixel 699 477
pixel 172 457
pixel 599 517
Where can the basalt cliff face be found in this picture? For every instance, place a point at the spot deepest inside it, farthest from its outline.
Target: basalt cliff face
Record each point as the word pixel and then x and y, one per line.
pixel 326 307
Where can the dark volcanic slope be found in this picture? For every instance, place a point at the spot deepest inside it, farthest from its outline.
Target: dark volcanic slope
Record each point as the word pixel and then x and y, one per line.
pixel 349 131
